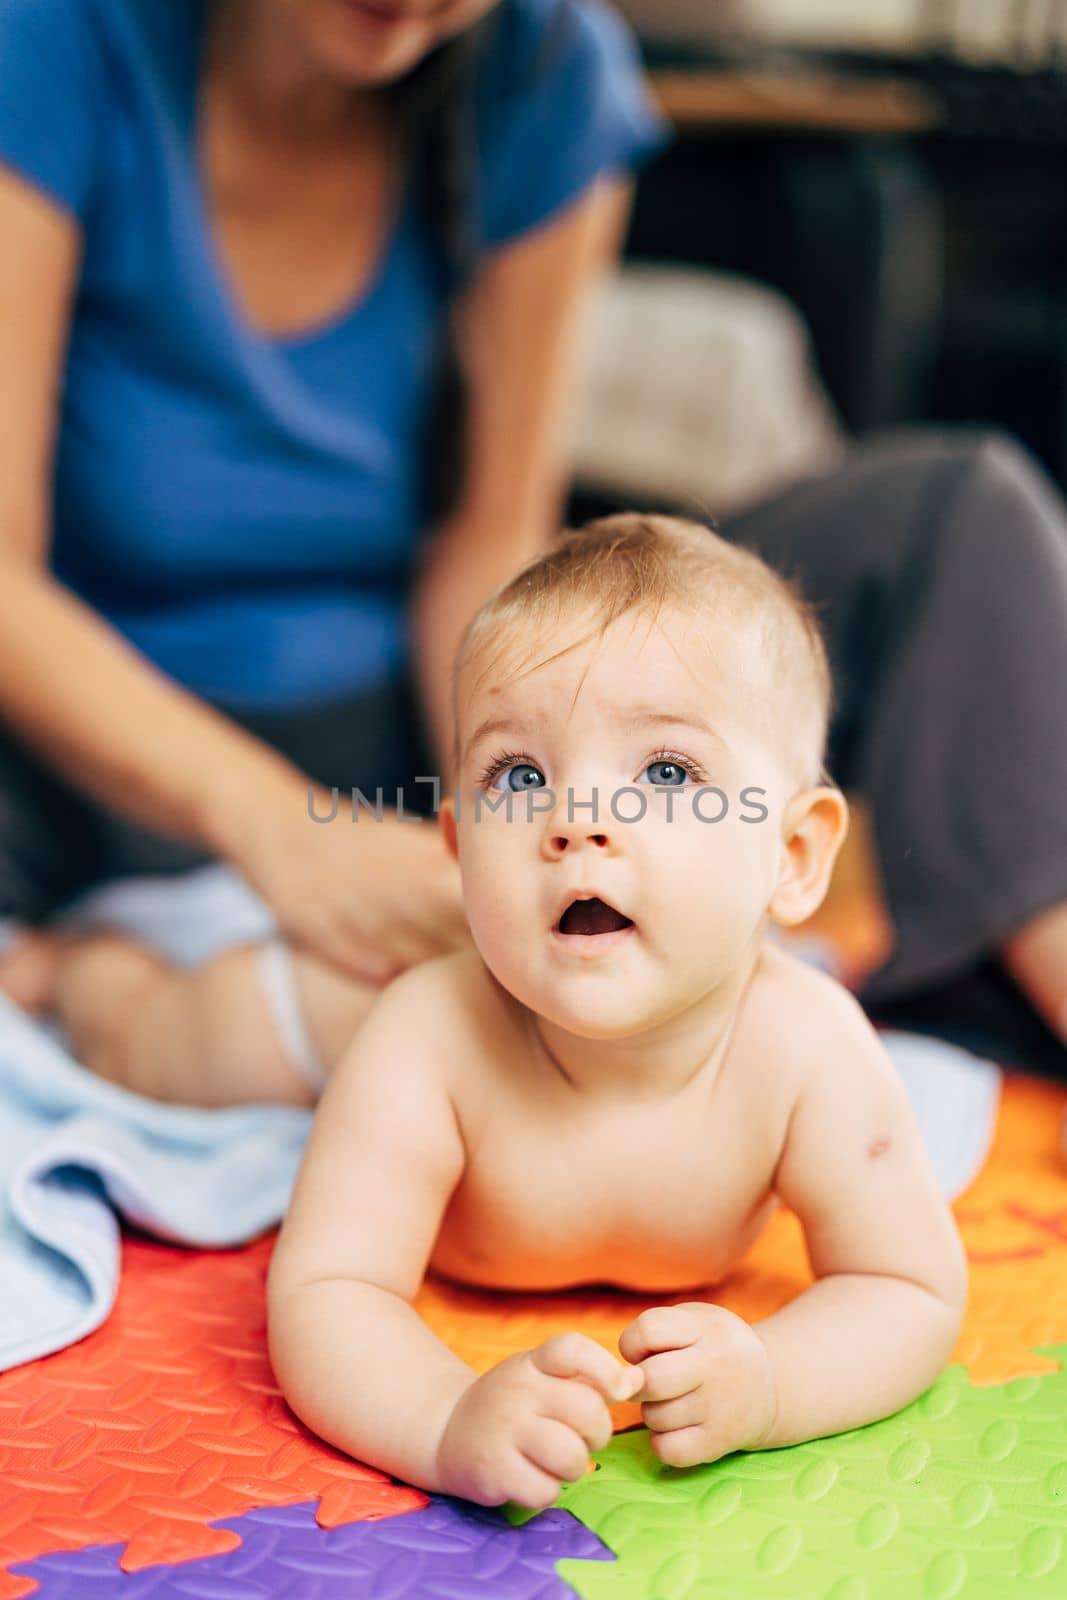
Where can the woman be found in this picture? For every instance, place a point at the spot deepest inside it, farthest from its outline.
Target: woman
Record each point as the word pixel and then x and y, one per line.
pixel 251 217
pixel 267 325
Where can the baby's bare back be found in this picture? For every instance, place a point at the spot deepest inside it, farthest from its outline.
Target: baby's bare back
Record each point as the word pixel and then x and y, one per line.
pixel 655 1193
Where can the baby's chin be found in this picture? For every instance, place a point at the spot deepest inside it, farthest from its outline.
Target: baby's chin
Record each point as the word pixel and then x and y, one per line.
pixel 585 1023
pixel 586 1005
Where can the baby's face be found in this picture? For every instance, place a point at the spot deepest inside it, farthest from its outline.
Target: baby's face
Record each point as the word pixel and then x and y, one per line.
pixel 603 924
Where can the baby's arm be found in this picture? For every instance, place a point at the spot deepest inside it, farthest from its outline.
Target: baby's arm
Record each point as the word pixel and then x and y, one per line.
pixel 879 1323
pixel 881 1320
pixel 353 1357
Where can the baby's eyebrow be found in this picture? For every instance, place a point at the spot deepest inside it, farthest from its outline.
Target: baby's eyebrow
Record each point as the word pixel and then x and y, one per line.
pixel 673 719
pixel 495 725
pixel 631 718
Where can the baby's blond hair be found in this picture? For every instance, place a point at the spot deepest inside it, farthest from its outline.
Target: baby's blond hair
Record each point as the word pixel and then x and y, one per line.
pixel 637 563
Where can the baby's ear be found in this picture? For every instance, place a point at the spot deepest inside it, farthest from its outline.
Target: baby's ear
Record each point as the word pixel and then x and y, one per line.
pixel 813 831
pixel 447 818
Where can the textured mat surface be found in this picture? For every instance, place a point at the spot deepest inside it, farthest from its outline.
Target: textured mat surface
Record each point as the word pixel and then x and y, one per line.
pixel 163 1434
pixel 163 1420
pixel 448 1550
pixel 962 1493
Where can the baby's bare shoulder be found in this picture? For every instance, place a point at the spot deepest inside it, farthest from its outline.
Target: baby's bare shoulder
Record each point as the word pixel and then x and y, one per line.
pixel 817 1064
pixel 797 1019
pixel 454 1005
pixel 833 1053
pixel 461 990
pixel 802 1006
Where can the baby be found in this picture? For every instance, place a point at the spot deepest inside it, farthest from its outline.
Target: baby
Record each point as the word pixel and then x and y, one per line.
pixel 623 1077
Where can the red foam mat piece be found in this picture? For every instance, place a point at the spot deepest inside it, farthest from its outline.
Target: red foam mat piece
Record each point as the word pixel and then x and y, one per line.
pixel 164 1420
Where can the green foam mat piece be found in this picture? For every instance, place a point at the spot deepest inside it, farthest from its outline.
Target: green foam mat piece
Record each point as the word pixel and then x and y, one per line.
pixel 963 1493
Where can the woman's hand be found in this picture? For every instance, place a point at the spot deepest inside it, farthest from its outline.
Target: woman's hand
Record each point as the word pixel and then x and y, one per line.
pixel 371 897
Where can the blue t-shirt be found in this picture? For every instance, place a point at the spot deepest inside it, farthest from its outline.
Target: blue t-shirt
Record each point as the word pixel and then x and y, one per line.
pixel 245 509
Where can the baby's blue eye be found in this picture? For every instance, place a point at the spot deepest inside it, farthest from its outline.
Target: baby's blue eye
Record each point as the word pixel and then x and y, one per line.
pixel 667 774
pixel 523 775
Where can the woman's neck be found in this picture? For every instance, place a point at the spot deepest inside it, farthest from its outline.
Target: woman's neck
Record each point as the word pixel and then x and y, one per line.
pixel 258 60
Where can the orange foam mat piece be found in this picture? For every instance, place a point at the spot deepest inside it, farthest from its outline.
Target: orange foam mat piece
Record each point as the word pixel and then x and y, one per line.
pixel 168 1417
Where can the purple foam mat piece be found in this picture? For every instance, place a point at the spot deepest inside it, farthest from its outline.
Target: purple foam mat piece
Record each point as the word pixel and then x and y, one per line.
pixel 447 1551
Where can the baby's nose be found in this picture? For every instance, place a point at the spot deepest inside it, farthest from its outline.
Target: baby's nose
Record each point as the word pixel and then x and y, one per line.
pixel 559 842
pixel 576 821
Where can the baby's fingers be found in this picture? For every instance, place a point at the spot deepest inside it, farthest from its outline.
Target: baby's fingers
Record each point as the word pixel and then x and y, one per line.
pixel 524 1483
pixel 672 1374
pixel 661 1328
pixel 579 1406
pixel 573 1355
pixel 554 1448
pixel 667 1416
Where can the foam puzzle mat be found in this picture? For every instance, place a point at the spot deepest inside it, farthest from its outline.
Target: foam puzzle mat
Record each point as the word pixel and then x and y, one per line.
pixel 157 1457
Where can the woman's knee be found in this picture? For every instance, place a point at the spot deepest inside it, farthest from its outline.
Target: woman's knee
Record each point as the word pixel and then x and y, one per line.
pixel 1002 508
pixel 1002 463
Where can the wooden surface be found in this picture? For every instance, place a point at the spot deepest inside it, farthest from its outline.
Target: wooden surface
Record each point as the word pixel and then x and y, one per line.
pixel 716 98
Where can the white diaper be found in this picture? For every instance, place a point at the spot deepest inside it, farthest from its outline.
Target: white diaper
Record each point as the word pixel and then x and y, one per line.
pixel 279 987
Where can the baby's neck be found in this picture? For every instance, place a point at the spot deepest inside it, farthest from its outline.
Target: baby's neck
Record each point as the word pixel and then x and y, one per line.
pixel 659 1062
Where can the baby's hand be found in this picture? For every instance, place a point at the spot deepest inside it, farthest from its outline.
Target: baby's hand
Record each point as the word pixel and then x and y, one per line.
pixel 708 1388
pixel 528 1424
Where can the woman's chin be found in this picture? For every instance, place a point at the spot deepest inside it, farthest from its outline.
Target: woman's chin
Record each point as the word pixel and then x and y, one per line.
pixel 360 53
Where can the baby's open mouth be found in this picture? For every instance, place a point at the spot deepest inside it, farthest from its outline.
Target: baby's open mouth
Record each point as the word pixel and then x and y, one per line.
pixel 592 916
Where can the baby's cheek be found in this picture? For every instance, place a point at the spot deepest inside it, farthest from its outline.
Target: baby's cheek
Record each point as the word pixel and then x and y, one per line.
pixel 720 874
pixel 494 901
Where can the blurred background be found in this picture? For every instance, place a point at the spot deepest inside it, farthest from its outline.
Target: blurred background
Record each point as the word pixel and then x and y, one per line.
pixel 861 224
pixel 864 216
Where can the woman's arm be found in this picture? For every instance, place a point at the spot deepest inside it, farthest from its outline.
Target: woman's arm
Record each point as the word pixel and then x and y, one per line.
pixel 69 684
pixel 368 901
pixel 524 318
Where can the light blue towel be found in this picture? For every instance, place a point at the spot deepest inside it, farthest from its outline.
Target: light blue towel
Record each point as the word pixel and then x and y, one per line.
pixel 74 1149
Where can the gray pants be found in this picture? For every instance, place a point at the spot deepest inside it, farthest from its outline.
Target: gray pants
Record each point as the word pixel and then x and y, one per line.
pixel 938 563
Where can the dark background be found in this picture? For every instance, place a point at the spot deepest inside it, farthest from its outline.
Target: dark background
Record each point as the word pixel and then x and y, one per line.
pixel 931 267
